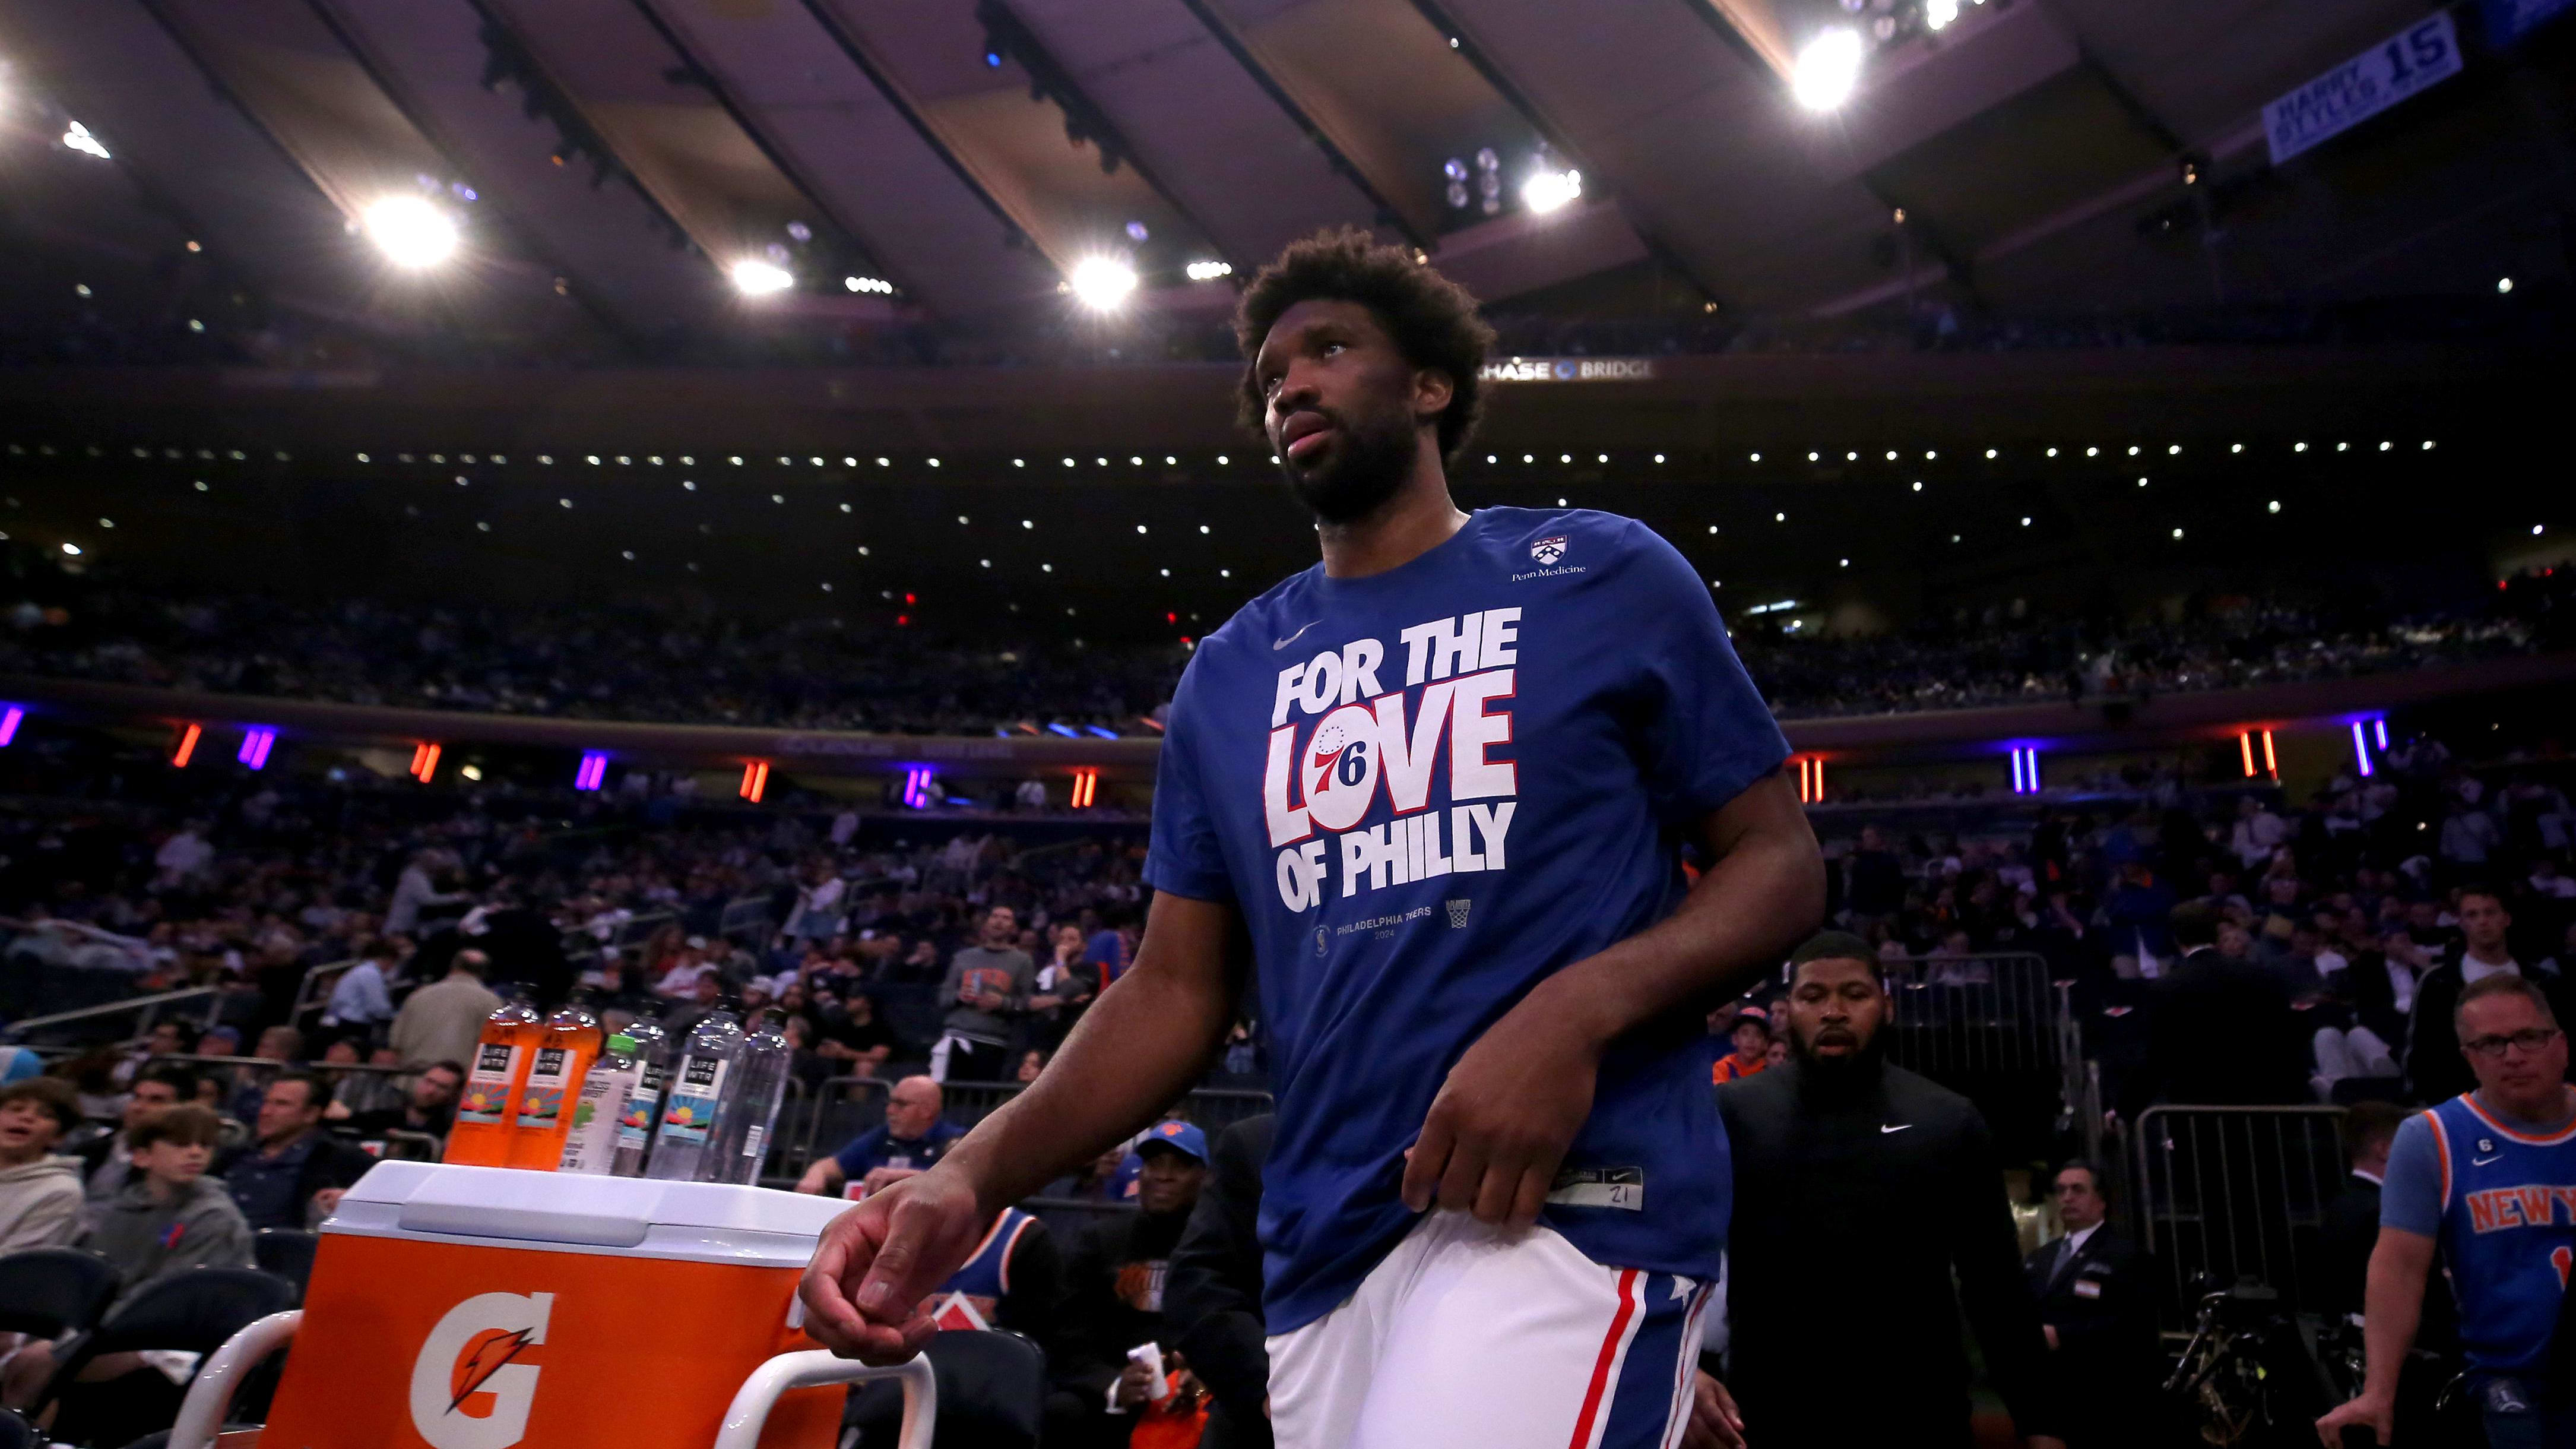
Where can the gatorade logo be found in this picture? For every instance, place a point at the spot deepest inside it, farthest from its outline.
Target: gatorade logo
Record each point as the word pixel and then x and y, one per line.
pixel 469 1388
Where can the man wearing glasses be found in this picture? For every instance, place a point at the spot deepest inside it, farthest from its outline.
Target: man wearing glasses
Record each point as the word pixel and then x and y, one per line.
pixel 2489 1177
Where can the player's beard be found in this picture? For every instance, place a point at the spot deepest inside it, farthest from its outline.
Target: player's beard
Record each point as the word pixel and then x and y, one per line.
pixel 1861 1063
pixel 1371 456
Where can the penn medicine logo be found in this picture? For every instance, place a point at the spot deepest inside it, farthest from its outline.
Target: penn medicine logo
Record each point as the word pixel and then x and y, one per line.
pixel 468 1388
pixel 1548 550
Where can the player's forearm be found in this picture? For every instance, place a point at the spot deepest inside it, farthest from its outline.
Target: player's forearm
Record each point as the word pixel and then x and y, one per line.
pixel 2392 1306
pixel 1764 891
pixel 1143 1043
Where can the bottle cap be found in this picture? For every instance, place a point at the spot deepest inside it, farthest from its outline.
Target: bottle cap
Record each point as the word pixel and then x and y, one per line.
pixel 621 1043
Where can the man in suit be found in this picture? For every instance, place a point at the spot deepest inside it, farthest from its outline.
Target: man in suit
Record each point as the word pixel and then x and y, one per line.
pixel 2096 1306
pixel 2222 1032
pixel 2351 1227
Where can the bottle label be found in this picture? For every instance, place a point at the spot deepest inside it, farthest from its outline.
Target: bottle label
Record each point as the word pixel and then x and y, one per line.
pixel 541 1102
pixel 693 1101
pixel 635 1124
pixel 594 1123
pixel 486 1099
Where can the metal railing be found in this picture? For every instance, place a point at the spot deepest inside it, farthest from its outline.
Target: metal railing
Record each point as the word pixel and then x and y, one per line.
pixel 1994 1028
pixel 149 1009
pixel 746 914
pixel 309 998
pixel 1994 1013
pixel 2238 1191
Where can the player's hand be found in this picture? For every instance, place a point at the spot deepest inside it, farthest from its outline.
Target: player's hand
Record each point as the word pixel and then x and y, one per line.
pixel 1491 1143
pixel 2379 1413
pixel 1714 1422
pixel 877 1261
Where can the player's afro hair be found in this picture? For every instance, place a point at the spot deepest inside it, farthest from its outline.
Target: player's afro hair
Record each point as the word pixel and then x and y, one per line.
pixel 1432 319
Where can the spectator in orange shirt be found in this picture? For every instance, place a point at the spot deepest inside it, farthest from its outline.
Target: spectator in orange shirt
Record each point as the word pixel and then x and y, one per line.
pixel 1752 1037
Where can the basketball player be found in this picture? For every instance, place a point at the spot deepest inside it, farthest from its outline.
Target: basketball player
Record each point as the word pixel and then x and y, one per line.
pixel 2490 1178
pixel 1431 794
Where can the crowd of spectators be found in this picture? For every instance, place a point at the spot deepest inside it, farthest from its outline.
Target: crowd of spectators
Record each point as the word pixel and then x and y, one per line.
pixel 2226 945
pixel 610 662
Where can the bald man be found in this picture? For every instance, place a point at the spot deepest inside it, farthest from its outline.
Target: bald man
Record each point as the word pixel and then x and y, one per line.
pixel 912 1138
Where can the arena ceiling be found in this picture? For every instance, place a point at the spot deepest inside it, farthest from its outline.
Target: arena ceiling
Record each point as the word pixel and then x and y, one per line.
pixel 612 162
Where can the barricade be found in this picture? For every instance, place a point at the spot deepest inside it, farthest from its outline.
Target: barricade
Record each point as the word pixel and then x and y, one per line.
pixel 2233 1192
pixel 105 1020
pixel 838 1109
pixel 1993 1028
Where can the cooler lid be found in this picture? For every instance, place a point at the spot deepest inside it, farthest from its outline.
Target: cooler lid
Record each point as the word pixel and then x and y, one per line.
pixel 704 1221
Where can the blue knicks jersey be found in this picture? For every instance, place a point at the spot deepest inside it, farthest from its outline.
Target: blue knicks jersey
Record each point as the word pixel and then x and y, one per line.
pixel 971 1295
pixel 1426 791
pixel 2508 1231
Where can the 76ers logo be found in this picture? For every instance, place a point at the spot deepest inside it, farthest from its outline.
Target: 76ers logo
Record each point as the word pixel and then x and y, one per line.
pixel 1341 767
pixel 1548 550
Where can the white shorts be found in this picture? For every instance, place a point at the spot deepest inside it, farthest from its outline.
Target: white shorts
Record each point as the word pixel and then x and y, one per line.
pixel 1469 1334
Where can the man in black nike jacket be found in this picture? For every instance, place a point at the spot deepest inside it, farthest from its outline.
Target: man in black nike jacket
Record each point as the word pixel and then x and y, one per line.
pixel 1861 1189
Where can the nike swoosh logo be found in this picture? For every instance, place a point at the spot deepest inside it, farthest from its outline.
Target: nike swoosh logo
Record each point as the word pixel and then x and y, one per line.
pixel 1897 1128
pixel 1291 639
pixel 2483 1161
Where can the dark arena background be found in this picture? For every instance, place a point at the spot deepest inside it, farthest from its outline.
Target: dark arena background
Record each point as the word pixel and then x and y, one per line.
pixel 694 511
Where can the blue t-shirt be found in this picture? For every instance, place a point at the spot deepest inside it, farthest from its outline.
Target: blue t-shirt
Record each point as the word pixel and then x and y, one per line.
pixel 877 1148
pixel 1427 790
pixel 2501 1199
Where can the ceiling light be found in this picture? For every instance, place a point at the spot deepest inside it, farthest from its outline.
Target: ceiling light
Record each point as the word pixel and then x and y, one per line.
pixel 2177 533
pixel 1755 457
pixel 1220 458
pixel 2272 507
pixel 2503 284
pixel 1990 452
pixel 1208 271
pixel 1827 69
pixel 2236 447
pixel 1659 457
pixel 1939 13
pixel 77 137
pixel 2092 452
pixel 74 549
pixel 878 285
pixel 410 231
pixel 1545 191
pixel 755 278
pixel 1102 284
pixel 2052 452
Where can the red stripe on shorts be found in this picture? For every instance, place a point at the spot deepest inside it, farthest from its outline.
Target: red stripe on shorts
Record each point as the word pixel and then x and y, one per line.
pixel 1609 1359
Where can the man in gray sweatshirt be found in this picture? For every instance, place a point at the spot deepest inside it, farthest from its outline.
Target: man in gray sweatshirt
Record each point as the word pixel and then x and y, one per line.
pixel 987 992
pixel 40 1194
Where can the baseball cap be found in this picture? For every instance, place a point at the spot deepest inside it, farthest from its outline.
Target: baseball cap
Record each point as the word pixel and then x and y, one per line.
pixel 1182 1137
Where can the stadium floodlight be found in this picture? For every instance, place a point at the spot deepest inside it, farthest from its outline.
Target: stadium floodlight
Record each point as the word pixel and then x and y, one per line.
pixel 755 278
pixel 1545 191
pixel 77 137
pixel 411 232
pixel 1939 13
pixel 1101 284
pixel 1828 68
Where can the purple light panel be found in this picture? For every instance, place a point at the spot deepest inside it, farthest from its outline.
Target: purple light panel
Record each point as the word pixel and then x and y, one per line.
pixel 255 746
pixel 2361 750
pixel 592 773
pixel 9 722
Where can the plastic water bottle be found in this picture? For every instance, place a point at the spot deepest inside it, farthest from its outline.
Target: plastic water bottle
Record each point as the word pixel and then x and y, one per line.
pixel 751 1108
pixel 697 1089
pixel 643 1108
pixel 591 1140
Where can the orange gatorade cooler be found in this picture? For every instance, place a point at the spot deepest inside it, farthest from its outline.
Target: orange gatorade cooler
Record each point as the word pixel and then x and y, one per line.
pixel 480 1307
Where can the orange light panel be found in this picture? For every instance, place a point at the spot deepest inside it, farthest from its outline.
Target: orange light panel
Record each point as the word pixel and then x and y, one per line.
pixel 187 747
